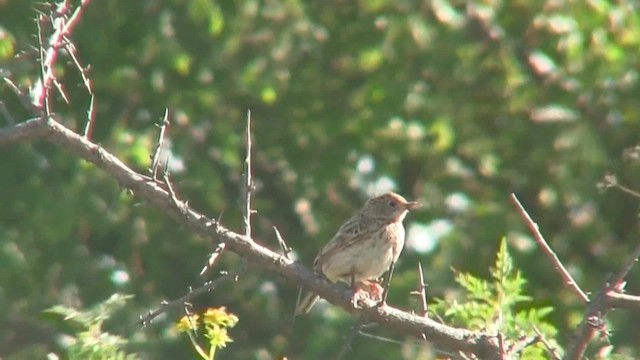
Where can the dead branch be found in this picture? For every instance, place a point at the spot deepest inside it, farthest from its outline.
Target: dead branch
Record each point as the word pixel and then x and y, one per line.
pixel 542 243
pixel 155 194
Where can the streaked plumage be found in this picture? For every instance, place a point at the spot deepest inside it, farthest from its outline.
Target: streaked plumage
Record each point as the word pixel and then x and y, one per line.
pixel 364 247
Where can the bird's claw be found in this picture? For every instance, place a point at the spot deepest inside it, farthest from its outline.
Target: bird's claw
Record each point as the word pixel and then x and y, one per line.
pixel 371 292
pixel 359 296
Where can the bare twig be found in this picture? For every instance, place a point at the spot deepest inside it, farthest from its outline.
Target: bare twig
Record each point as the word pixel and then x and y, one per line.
pixel 91 115
pixel 380 338
pixel 156 154
pixel 346 345
pixel 627 190
pixel 557 264
pixel 593 320
pixel 208 286
pixel 180 205
pixel 421 291
pixel 41 89
pixel 616 283
pixel 248 181
pixel 522 343
pixel 502 352
pixel 552 351
pixel 246 211
pixel 192 333
pixel 213 257
pixel 623 301
pixel 610 180
pixel 286 250
pixel 25 100
pixel 71 49
pixel 62 29
pixel 387 284
pixel 61 90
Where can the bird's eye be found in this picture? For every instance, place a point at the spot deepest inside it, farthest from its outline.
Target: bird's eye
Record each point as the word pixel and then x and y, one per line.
pixel 392 203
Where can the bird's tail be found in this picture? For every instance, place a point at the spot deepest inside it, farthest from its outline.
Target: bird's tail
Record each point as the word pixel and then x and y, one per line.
pixel 305 302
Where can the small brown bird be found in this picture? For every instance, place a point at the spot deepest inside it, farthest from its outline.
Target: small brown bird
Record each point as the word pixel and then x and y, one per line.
pixel 364 248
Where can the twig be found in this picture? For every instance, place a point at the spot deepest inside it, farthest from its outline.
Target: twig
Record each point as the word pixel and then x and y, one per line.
pixel 246 211
pixel 156 154
pixel 248 184
pixel 48 57
pixel 286 250
pixel 623 301
pixel 522 343
pixel 421 291
pixel 346 345
pixel 611 181
pixel 41 90
pixel 192 333
pixel 213 257
pixel 627 190
pixel 552 351
pixel 63 93
pixel 616 283
pixel 593 320
pixel 557 264
pixel 208 286
pixel 380 338
pixel 71 48
pixel 387 284
pixel 91 115
pixel 180 205
pixel 502 353
pixel 25 100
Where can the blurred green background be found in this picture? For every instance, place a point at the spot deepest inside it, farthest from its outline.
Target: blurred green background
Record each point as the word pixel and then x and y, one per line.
pixel 452 103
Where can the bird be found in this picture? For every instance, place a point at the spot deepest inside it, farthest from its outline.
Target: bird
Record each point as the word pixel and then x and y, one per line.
pixel 363 249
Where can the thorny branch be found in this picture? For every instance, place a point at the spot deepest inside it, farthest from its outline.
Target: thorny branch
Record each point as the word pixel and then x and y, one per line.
pixel 421 291
pixel 606 298
pixel 155 162
pixel 208 286
pixel 557 264
pixel 157 195
pixel 162 196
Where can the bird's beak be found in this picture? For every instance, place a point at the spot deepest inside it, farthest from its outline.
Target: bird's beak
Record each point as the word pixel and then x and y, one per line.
pixel 413 205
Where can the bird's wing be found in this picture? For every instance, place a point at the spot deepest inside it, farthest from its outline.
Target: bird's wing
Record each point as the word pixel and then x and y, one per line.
pixel 349 232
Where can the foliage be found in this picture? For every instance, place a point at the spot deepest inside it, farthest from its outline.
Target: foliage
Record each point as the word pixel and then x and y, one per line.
pixel 500 306
pixel 91 341
pixel 452 103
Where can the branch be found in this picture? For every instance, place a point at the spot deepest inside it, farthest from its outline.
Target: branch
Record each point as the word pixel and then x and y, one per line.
pixel 421 291
pixel 208 286
pixel 623 301
pixel 610 294
pixel 62 29
pixel 482 345
pixel 557 264
pixel 346 346
pixel 156 155
pixel 593 320
pixel 28 130
pixel 248 182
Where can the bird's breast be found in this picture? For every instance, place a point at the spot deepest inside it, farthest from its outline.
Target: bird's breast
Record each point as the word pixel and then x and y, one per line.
pixel 368 258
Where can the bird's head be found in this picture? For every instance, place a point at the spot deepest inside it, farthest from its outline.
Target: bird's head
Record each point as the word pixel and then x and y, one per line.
pixel 389 206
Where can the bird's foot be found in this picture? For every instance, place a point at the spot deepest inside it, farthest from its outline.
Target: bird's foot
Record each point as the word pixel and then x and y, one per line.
pixel 369 293
pixel 375 290
pixel 359 296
